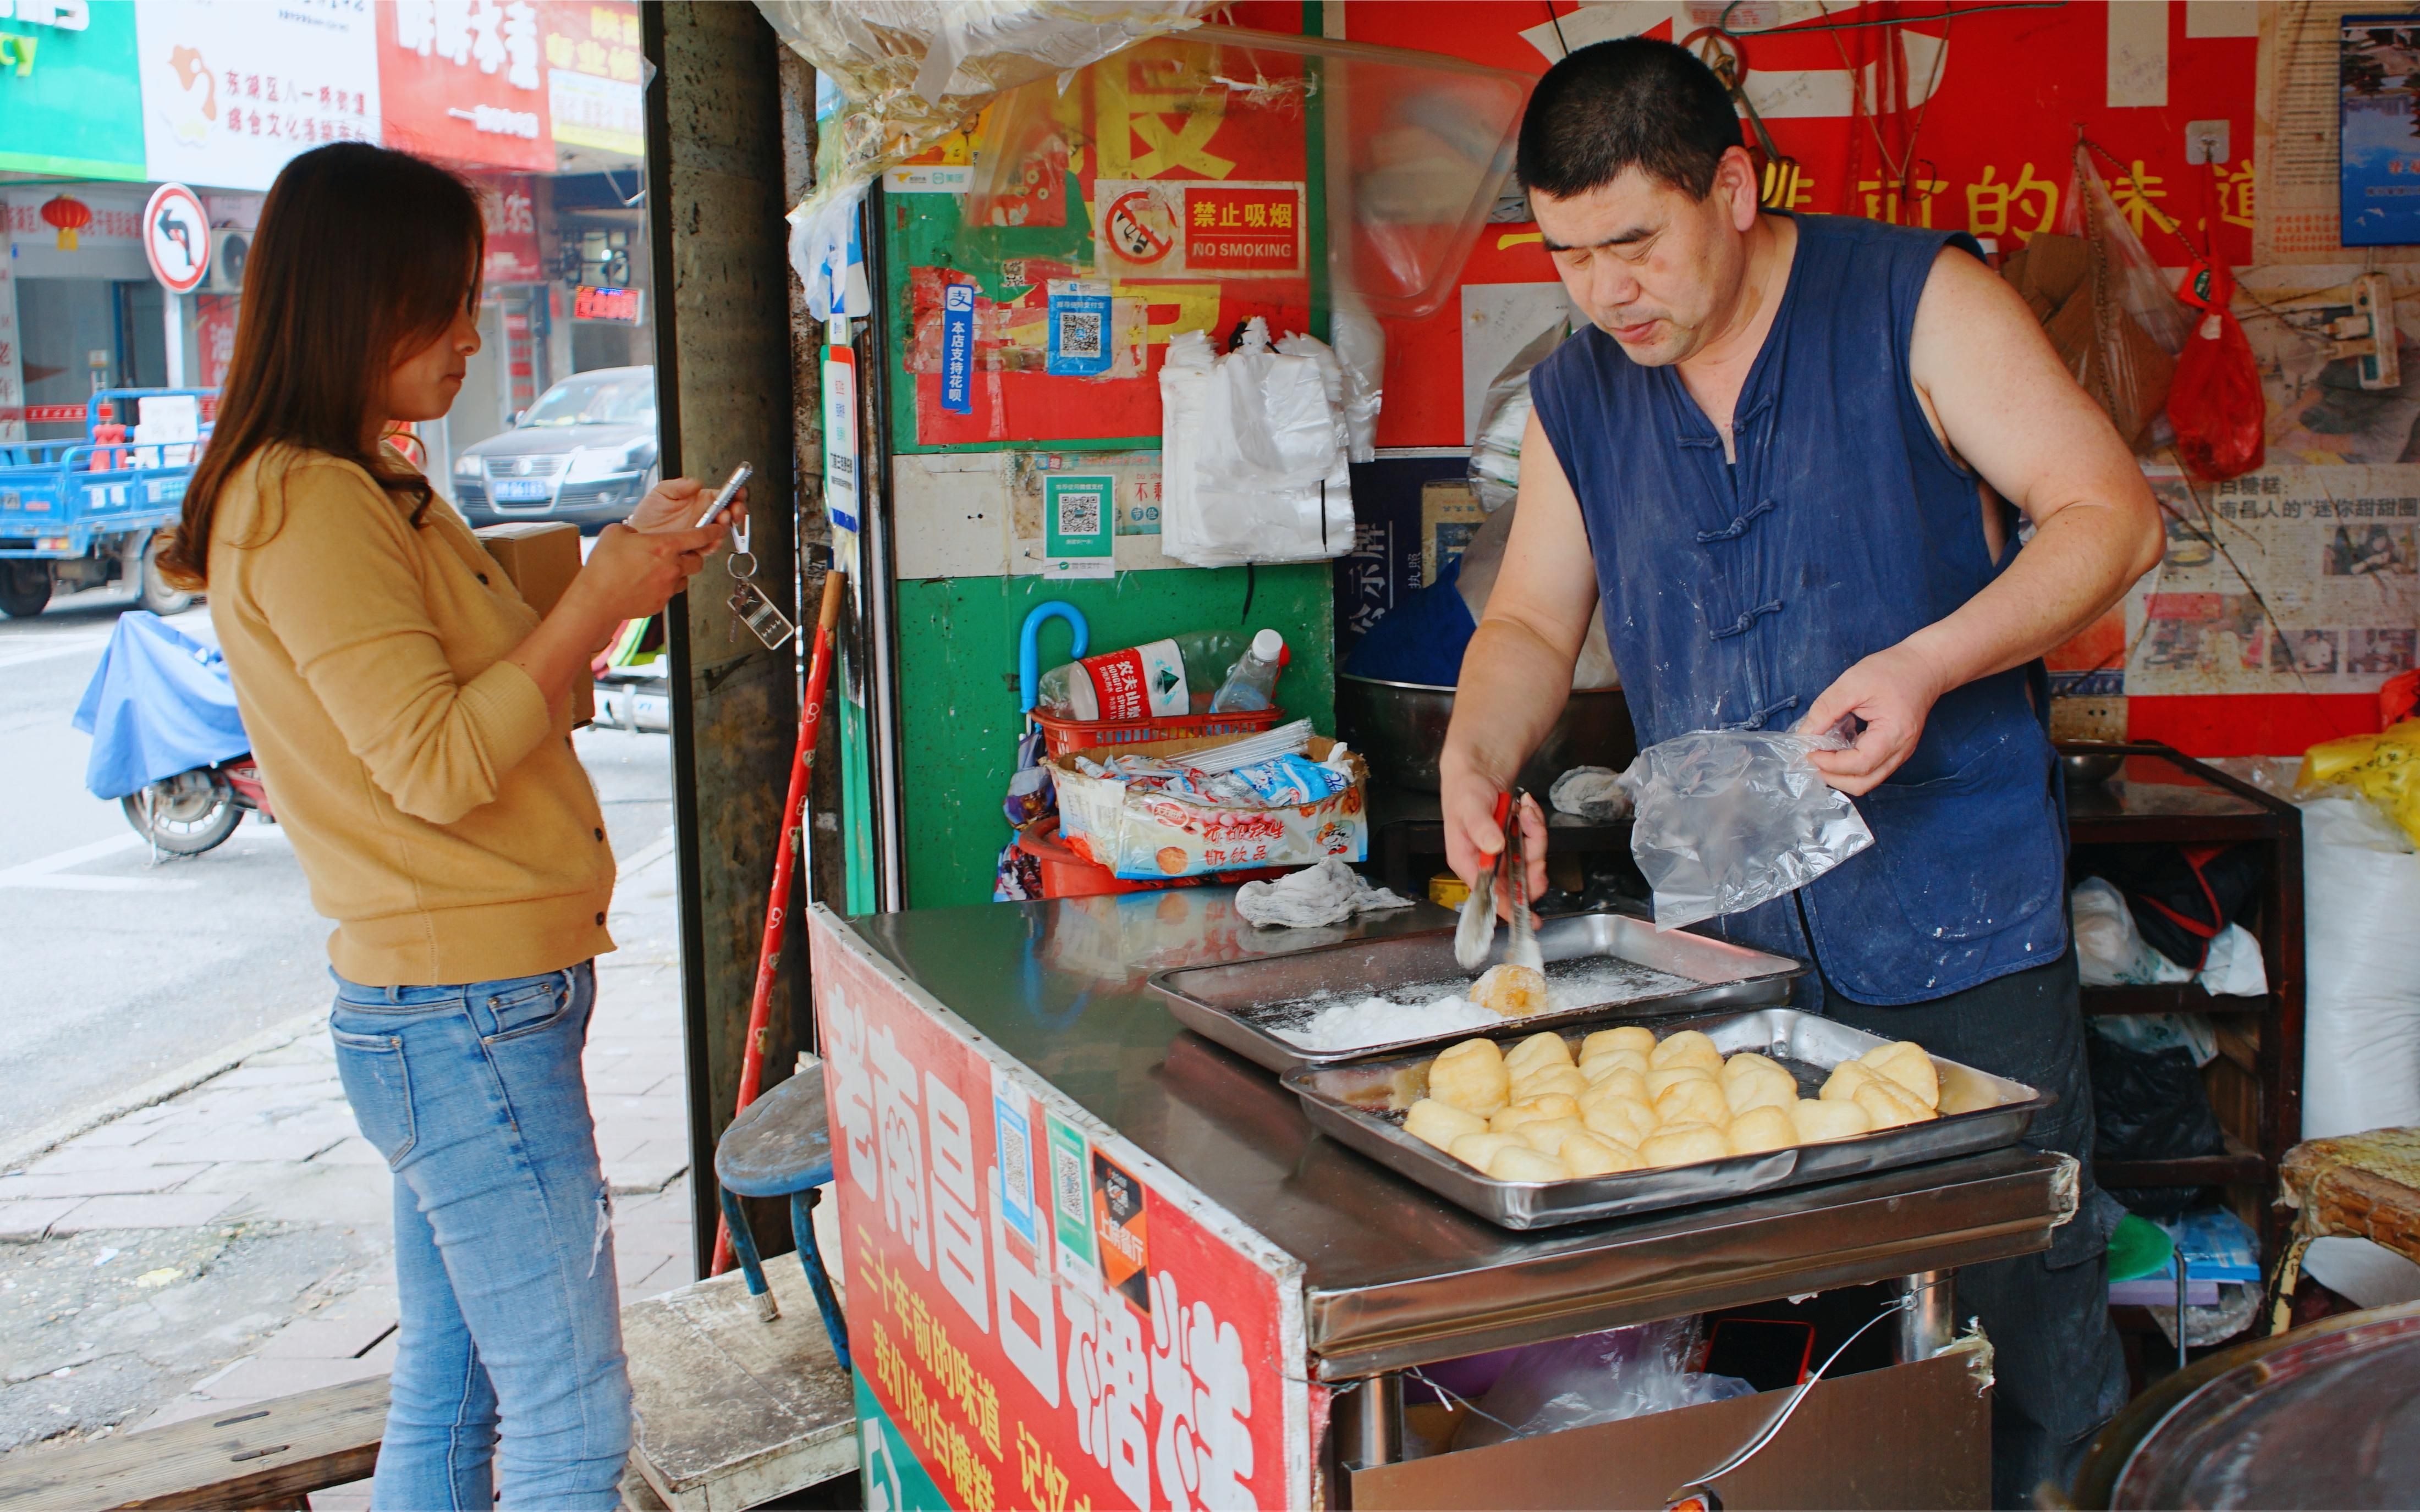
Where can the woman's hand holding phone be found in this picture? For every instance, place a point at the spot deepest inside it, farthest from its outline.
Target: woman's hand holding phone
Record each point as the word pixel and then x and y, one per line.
pixel 631 574
pixel 674 505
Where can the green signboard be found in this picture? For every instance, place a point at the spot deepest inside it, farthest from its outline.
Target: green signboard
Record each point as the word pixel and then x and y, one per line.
pixel 71 98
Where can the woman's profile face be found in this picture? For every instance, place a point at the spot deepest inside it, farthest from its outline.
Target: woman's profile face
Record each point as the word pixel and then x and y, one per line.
pixel 422 384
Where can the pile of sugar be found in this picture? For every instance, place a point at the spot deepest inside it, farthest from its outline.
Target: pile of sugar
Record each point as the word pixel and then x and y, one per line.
pixel 1376 1021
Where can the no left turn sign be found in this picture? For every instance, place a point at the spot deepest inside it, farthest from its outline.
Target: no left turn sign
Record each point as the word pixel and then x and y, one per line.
pixel 177 237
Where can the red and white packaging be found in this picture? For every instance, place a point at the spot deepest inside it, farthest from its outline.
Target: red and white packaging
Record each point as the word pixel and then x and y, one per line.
pixel 1141 683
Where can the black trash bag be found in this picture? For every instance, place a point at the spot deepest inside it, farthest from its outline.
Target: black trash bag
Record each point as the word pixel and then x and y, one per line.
pixel 2182 896
pixel 2151 1107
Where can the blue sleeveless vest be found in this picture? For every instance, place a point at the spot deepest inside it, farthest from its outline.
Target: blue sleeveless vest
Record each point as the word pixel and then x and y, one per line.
pixel 1735 592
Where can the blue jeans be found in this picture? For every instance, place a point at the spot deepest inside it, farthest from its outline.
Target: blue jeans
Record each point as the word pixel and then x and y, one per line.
pixel 503 1245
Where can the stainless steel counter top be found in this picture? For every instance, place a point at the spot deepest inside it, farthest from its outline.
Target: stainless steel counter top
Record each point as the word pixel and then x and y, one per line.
pixel 1395 1275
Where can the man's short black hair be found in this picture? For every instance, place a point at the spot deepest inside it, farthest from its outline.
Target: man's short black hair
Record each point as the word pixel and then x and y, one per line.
pixel 1634 102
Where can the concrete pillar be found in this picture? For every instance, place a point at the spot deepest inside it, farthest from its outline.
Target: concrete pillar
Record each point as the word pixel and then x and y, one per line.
pixel 715 202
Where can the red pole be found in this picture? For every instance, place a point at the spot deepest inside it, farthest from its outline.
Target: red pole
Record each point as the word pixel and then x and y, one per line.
pixel 802 761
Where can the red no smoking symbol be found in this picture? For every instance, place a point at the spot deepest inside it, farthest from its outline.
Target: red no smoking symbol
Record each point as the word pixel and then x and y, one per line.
pixel 1140 226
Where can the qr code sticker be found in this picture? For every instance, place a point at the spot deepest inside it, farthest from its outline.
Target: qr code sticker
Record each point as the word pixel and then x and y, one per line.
pixel 1079 513
pixel 1079 333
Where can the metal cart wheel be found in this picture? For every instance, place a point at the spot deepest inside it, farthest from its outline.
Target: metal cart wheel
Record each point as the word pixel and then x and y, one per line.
pixel 185 814
pixel 158 595
pixel 25 588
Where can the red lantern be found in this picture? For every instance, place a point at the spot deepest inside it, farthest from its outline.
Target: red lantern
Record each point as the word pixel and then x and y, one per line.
pixel 69 215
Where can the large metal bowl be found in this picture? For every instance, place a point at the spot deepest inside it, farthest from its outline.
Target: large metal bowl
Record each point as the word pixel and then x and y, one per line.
pixel 1399 729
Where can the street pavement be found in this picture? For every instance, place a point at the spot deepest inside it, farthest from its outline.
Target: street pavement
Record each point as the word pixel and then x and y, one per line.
pixel 230 1240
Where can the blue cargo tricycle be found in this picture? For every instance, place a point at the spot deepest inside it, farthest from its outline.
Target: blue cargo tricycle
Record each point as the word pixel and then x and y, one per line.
pixel 84 513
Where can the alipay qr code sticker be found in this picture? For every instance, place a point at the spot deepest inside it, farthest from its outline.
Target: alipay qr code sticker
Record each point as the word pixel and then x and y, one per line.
pixel 1079 524
pixel 1079 329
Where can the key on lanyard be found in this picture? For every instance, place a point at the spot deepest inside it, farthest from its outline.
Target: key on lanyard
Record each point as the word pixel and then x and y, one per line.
pixel 747 602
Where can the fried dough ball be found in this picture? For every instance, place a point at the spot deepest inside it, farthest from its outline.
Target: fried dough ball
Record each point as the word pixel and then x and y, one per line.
pixel 1472 1076
pixel 1441 1123
pixel 1662 1079
pixel 1688 1048
pixel 1749 1063
pixel 1699 1101
pixel 1478 1149
pixel 1888 1104
pixel 1817 1119
pixel 1515 991
pixel 1603 1063
pixel 1547 1134
pixel 1592 1154
pixel 1765 1087
pixel 1619 1081
pixel 1760 1129
pixel 1564 1079
pixel 1632 1037
pixel 1519 1163
pixel 1537 1053
pixel 1623 1118
pixel 1841 1085
pixel 1906 1063
pixel 1552 1105
pixel 1685 1144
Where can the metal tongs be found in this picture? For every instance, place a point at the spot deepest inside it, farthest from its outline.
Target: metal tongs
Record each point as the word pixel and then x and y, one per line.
pixel 1475 929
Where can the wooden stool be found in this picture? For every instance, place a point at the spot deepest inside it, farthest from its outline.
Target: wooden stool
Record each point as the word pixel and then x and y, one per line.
pixel 2364 1187
pixel 781 1146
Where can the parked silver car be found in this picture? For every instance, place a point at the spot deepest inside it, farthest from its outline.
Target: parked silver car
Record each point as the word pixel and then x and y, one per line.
pixel 585 453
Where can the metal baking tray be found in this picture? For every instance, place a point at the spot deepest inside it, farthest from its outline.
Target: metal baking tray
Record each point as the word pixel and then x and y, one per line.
pixel 1605 964
pixel 1361 1104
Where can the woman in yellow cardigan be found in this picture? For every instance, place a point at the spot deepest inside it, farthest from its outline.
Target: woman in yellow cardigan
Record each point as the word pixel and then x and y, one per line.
pixel 411 718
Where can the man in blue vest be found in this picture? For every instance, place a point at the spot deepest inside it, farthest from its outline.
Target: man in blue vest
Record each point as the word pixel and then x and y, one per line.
pixel 1789 456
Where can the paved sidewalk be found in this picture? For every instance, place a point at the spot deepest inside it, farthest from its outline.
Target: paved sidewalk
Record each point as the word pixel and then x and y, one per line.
pixel 233 1241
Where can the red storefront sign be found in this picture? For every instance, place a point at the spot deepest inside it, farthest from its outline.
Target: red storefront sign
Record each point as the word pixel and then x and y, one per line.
pixel 513 256
pixel 1244 229
pixel 1041 1315
pixel 465 82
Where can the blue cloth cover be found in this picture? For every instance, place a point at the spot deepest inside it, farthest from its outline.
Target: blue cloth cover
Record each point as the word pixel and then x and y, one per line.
pixel 1420 640
pixel 158 705
pixel 1735 592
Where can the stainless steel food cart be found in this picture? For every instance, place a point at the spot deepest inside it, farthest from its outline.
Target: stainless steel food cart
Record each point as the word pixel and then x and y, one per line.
pixel 1365 1276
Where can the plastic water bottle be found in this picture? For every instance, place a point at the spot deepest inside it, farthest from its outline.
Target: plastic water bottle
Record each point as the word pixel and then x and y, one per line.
pixel 1155 680
pixel 1252 682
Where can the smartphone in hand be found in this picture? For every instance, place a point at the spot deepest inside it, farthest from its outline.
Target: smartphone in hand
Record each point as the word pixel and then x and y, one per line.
pixel 723 496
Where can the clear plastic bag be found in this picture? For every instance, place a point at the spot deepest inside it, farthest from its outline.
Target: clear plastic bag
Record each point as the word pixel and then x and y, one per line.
pixel 1729 819
pixel 1504 421
pixel 1597 1378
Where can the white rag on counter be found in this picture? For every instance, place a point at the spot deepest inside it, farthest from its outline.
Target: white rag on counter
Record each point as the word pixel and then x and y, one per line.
pixel 1328 893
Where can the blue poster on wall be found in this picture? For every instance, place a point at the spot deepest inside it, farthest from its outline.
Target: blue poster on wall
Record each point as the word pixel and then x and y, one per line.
pixel 2377 75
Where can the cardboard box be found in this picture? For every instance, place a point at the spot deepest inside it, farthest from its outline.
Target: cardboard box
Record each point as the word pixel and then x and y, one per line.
pixel 1908 1435
pixel 1158 835
pixel 541 557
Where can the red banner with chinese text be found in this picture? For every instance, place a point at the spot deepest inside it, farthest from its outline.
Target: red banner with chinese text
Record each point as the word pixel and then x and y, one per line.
pixel 1018 1365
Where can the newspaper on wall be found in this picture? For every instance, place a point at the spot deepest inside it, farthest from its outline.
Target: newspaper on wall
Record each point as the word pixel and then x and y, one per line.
pixel 2288 579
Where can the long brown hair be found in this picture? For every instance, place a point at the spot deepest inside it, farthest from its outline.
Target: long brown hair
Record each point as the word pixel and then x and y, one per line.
pixel 362 256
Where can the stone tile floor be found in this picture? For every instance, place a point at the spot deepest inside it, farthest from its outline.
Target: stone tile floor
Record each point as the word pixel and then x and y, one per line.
pixel 231 1243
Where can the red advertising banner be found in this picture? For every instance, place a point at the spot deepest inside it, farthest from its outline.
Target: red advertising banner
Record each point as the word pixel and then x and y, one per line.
pixel 513 256
pixel 1042 1316
pixel 465 82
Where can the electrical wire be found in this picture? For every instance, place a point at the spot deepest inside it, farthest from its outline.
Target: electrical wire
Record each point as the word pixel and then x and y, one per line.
pixel 1722 24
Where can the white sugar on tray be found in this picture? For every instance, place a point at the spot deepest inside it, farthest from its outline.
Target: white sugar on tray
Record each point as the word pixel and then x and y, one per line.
pixel 1376 1021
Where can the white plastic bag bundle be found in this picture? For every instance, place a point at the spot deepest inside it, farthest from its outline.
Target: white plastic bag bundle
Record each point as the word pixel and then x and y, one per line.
pixel 1253 452
pixel 1729 819
pixel 2361 1025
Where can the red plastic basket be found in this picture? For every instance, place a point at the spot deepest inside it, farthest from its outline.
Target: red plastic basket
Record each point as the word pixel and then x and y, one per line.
pixel 1063 736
